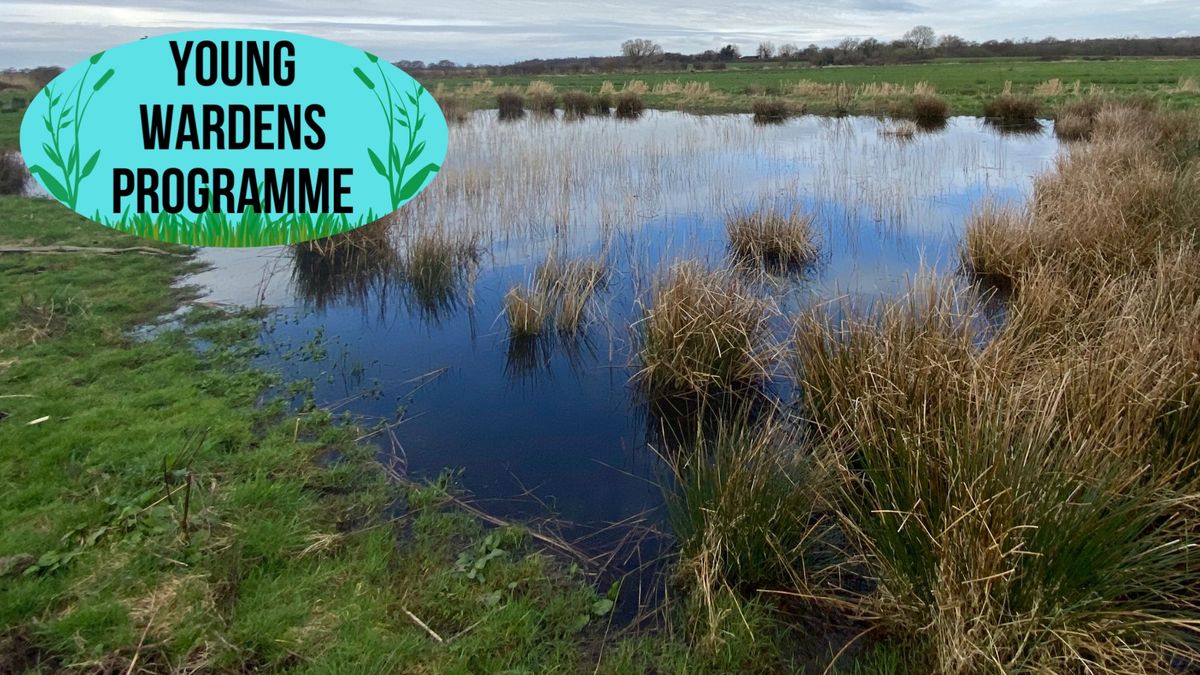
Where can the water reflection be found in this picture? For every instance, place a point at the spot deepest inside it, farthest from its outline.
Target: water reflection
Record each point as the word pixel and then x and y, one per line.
pixel 555 414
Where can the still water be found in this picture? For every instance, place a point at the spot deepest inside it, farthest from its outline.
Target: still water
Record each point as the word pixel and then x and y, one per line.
pixel 556 425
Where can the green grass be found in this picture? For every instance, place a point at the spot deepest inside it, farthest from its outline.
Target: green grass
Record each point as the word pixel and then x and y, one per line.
pixel 966 86
pixel 286 560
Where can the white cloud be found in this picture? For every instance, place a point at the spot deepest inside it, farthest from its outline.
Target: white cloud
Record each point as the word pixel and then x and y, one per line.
pixel 498 31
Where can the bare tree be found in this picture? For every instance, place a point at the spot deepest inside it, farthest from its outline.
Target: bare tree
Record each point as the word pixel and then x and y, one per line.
pixel 640 48
pixel 766 50
pixel 848 45
pixel 788 50
pixel 920 38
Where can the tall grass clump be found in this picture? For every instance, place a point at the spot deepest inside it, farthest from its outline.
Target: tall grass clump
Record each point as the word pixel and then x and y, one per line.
pixel 704 334
pixel 1012 110
pixel 629 105
pixel 541 97
pixel 435 265
pixel 929 111
pixel 744 503
pixel 778 241
pixel 13 173
pixel 510 105
pixel 1002 504
pixel 1074 119
pixel 577 104
pixel 526 312
pixel 603 103
pixel 770 111
pixel 567 289
pixel 351 266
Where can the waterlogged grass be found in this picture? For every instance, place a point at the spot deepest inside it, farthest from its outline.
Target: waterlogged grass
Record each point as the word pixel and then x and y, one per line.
pixel 158 517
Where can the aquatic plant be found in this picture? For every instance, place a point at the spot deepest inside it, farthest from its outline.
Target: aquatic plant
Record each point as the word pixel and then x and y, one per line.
pixel 603 103
pixel 778 241
pixel 510 105
pixel 577 103
pixel 345 267
pixel 929 110
pixel 629 105
pixel 526 311
pixel 567 287
pixel 456 108
pixel 770 110
pixel 1012 110
pixel 704 334
pixel 435 263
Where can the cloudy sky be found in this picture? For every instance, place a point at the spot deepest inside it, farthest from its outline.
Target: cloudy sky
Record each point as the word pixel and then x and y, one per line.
pixel 62 32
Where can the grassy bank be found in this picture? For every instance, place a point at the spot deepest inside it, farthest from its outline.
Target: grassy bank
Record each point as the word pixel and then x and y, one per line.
pixel 966 86
pixel 155 517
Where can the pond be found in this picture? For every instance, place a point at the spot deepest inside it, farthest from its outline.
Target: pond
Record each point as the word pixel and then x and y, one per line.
pixel 556 425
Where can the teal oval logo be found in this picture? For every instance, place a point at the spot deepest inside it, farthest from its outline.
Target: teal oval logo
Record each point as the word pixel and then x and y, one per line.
pixel 234 138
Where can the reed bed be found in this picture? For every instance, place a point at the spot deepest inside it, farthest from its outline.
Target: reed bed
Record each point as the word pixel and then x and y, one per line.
pixel 704 334
pixel 777 241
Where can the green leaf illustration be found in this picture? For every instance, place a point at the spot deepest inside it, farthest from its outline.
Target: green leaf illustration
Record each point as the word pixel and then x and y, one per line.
pixel 378 163
pixel 89 165
pixel 54 156
pixel 96 58
pixel 56 189
pixel 103 79
pixel 372 57
pixel 363 76
pixel 418 179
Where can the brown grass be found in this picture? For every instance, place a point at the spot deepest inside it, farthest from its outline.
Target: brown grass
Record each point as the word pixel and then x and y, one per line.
pixel 577 103
pixel 930 110
pixel 770 111
pixel 526 312
pixel 1012 110
pixel 511 105
pixel 776 240
pixel 629 105
pixel 704 334
pixel 1022 495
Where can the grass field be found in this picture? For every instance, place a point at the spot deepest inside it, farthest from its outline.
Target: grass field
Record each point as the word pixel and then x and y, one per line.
pixel 966 85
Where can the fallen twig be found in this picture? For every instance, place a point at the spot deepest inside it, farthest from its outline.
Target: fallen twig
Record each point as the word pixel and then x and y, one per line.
pixel 421 623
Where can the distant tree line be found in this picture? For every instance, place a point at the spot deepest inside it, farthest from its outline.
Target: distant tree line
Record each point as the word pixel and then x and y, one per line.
pixel 920 43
